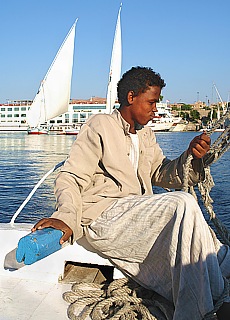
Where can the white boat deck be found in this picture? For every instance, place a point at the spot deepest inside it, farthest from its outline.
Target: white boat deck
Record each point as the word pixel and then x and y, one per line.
pixel 35 291
pixel 23 299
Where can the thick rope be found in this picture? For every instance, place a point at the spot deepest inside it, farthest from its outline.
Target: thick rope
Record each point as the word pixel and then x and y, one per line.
pixel 121 299
pixel 217 149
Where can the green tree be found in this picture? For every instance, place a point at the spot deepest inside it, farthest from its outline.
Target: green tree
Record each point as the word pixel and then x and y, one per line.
pixel 186 107
pixel 194 115
pixel 185 115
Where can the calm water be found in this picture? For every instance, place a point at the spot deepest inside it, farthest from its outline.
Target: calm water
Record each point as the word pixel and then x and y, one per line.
pixel 26 158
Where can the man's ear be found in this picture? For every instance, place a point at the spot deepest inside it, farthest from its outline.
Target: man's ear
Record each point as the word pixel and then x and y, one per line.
pixel 130 97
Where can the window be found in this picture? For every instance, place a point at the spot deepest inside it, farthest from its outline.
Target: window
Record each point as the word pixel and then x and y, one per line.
pixel 83 117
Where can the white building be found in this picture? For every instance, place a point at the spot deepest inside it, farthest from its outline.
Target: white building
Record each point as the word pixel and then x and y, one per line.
pixel 13 116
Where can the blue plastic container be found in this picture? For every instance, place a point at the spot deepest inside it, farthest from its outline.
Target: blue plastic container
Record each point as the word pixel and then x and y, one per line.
pixel 38 245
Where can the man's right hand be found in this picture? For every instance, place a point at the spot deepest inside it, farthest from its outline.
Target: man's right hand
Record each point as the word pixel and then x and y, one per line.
pixel 56 224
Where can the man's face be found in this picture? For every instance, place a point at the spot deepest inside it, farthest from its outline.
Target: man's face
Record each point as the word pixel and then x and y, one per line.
pixel 143 106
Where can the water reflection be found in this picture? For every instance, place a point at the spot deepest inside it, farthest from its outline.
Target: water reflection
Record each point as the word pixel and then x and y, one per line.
pixel 24 160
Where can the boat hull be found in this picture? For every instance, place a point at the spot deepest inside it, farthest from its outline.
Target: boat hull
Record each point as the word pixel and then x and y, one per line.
pixel 37 131
pixel 68 133
pixel 160 126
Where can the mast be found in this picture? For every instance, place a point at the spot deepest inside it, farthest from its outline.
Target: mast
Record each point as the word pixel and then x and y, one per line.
pixel 222 103
pixel 115 66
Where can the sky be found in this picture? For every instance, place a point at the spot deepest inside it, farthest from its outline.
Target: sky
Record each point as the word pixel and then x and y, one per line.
pixel 187 42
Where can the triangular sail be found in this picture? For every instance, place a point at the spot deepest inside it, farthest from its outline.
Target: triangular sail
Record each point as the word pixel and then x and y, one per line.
pixel 115 66
pixel 53 96
pixel 222 104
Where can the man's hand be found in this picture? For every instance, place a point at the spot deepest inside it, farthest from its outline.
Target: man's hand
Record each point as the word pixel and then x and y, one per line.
pixel 56 224
pixel 200 145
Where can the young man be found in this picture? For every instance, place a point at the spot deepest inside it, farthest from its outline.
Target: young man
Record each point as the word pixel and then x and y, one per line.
pixel 104 191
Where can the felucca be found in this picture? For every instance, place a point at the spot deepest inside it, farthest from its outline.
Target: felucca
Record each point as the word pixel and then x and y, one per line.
pixel 53 95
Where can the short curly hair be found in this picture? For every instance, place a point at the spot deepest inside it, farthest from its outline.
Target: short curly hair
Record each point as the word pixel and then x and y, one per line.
pixel 137 79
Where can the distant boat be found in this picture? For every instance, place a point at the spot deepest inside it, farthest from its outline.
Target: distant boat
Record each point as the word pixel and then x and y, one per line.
pixel 212 123
pixel 115 66
pixel 53 95
pixel 38 130
pixel 70 131
pixel 224 107
pixel 163 119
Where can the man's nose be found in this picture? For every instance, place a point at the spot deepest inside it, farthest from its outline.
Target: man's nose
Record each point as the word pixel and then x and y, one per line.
pixel 155 107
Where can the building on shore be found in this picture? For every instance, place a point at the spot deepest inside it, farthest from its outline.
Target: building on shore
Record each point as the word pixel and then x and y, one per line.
pixel 13 114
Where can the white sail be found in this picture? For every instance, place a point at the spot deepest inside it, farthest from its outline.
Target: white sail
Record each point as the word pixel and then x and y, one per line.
pixel 222 103
pixel 115 67
pixel 53 96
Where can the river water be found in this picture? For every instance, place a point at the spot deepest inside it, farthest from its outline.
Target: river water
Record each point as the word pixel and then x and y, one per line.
pixel 26 158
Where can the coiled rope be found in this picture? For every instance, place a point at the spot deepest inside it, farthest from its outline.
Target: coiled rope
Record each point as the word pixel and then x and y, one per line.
pixel 121 299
